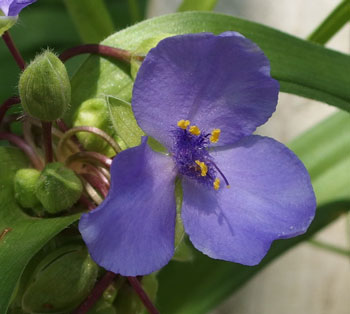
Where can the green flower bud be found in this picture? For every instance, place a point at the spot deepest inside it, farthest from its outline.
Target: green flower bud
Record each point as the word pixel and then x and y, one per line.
pixel 128 302
pixel 94 112
pixel 24 183
pixel 61 281
pixel 44 87
pixel 58 188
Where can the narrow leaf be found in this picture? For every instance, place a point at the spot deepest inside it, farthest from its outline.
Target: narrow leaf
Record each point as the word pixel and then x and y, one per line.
pixel 197 5
pixel 332 24
pixel 91 19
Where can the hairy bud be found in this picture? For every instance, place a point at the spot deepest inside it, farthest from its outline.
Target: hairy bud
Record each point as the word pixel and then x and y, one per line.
pixel 44 88
pixel 58 188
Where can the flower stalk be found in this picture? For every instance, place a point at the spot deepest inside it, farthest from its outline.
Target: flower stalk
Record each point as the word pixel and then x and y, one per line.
pixel 102 50
pixel 14 51
pixel 21 144
pixel 7 105
pixel 47 136
pixel 96 293
pixel 135 283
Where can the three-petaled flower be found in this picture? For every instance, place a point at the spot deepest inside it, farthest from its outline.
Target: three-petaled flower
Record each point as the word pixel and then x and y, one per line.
pixel 201 96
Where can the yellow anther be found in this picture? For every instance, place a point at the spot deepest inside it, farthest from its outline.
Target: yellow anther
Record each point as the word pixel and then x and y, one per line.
pixel 216 184
pixel 203 167
pixel 195 130
pixel 183 124
pixel 215 134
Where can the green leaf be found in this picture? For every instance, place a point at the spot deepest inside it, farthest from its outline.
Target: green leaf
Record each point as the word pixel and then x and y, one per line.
pixel 197 5
pixel 91 19
pixel 21 236
pixel 303 68
pixel 205 282
pixel 332 24
pixel 124 122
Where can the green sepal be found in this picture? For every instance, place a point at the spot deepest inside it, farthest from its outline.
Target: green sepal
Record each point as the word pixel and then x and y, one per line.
pixel 61 281
pixel 58 188
pixel 124 122
pixel 6 22
pixel 183 253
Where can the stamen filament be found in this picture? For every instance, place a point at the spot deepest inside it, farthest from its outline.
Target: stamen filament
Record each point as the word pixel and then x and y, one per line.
pixel 222 175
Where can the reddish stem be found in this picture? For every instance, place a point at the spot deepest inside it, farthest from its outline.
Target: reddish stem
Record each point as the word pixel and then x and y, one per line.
pixel 47 136
pixel 96 183
pixel 106 51
pixel 20 143
pixel 64 128
pixel 14 51
pixel 88 156
pixel 7 105
pixel 86 202
pixel 96 293
pixel 135 283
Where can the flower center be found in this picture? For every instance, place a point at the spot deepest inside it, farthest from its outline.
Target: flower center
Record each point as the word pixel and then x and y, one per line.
pixel 191 155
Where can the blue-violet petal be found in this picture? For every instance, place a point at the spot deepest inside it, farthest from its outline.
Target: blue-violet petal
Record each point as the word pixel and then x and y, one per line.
pixel 270 197
pixel 132 231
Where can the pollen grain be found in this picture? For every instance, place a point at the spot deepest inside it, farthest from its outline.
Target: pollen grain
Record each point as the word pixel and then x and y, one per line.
pixel 183 124
pixel 203 167
pixel 195 130
pixel 215 134
pixel 216 184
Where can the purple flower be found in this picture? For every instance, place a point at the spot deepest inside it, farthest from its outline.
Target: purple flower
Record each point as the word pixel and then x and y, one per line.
pixel 13 7
pixel 201 96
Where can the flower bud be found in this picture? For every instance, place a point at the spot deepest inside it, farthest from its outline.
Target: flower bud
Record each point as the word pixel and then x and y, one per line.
pixel 58 188
pixel 94 112
pixel 62 280
pixel 24 184
pixel 44 88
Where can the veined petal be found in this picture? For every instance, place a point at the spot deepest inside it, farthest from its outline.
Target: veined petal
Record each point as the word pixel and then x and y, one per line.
pixel 216 82
pixel 270 197
pixel 13 7
pixel 132 231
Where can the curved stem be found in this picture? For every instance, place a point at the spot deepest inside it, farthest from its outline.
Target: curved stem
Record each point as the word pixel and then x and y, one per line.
pixel 6 105
pixel 89 156
pixel 64 128
pixel 96 183
pixel 89 129
pixel 135 283
pixel 96 293
pixel 14 51
pixel 20 143
pixel 102 50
